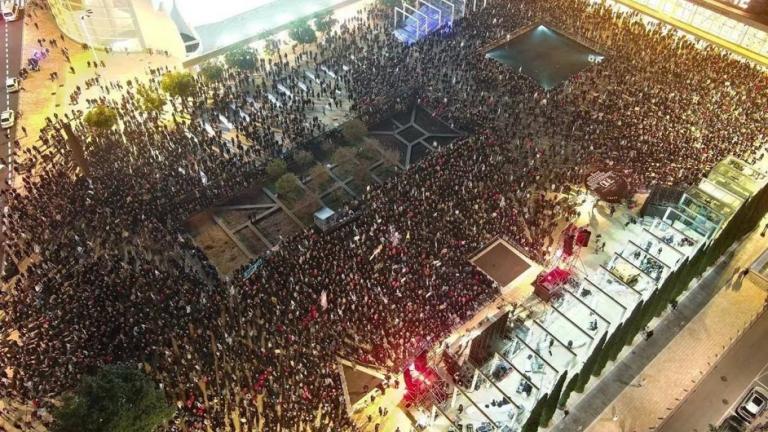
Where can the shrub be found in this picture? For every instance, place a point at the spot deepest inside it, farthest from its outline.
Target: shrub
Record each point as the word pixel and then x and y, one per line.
pixel 354 131
pixel 303 157
pixel 244 58
pixel 212 71
pixel 288 186
pixel 302 33
pixel 101 117
pixel 118 399
pixel 320 176
pixel 342 155
pixel 276 168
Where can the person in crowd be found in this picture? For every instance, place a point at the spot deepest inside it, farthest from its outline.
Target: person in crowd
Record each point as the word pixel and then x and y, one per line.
pixel 109 275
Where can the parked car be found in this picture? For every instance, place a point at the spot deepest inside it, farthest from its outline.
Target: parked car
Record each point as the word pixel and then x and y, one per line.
pixel 7 119
pixel 733 423
pixel 10 10
pixel 752 405
pixel 12 85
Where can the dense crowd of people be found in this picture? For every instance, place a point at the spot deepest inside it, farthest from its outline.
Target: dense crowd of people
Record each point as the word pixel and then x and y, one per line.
pixel 108 274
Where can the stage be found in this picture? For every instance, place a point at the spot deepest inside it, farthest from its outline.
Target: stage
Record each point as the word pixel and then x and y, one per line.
pixel 502 263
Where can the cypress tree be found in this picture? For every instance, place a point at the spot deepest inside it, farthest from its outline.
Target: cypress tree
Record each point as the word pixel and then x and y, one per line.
pixel 632 324
pixel 649 308
pixel 608 349
pixel 552 400
pixel 589 365
pixel 614 348
pixel 666 291
pixel 568 390
pixel 532 424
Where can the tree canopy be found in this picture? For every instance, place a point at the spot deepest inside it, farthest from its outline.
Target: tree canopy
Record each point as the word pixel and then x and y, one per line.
pixel 244 58
pixel 354 131
pixel 178 84
pixel 302 33
pixel 325 22
pixel 117 399
pixel 276 168
pixel 342 155
pixel 303 157
pixel 101 117
pixel 151 100
pixel 212 71
pixel 320 177
pixel 288 186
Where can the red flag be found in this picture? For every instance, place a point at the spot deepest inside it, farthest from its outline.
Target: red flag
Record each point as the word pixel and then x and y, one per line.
pixel 311 316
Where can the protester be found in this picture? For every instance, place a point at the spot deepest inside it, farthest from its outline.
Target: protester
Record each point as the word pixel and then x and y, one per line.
pixel 108 274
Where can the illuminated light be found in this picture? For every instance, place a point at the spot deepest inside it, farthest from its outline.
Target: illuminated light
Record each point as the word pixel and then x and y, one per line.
pixel 422 418
pixel 253 29
pixel 122 45
pixel 286 18
pixel 558 254
pixel 310 8
pixel 709 26
pixel 228 39
pixel 742 4
pixel 197 13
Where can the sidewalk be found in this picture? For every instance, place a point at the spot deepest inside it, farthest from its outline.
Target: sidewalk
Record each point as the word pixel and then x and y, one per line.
pixel 643 388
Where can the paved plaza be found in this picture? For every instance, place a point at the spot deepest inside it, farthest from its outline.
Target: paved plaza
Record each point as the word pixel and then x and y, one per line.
pixel 714 397
pixel 353 234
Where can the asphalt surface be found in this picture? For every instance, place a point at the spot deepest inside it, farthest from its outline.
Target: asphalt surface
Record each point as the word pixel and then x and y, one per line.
pixel 743 366
pixel 10 64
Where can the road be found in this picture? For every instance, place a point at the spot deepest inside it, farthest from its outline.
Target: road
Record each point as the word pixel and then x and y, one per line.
pixel 10 64
pixel 713 399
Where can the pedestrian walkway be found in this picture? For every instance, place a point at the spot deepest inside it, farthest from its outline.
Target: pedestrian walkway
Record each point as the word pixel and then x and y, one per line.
pixel 645 385
pixel 55 81
pixel 45 94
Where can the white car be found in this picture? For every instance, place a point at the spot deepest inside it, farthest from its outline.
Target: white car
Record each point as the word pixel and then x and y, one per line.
pixel 752 405
pixel 7 119
pixel 10 10
pixel 12 85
